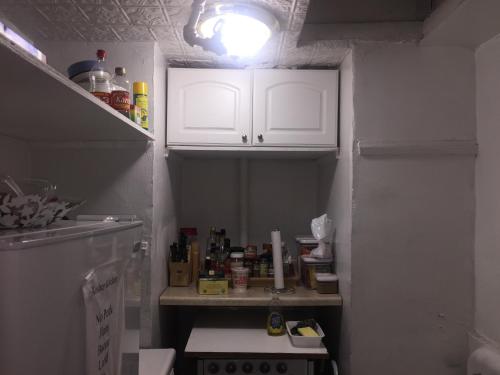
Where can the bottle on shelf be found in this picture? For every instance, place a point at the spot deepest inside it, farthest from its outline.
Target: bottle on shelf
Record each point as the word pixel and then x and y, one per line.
pixel 100 78
pixel 195 252
pixel 275 319
pixel 141 100
pixel 120 94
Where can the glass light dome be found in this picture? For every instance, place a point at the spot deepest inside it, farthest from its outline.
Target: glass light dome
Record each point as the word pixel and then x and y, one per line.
pixel 244 29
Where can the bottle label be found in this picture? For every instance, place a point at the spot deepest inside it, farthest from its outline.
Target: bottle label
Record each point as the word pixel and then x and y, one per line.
pixel 276 322
pixel 104 96
pixel 142 102
pixel 120 100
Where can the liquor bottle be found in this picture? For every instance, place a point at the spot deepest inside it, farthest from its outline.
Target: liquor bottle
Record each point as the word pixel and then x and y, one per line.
pixel 100 79
pixel 120 94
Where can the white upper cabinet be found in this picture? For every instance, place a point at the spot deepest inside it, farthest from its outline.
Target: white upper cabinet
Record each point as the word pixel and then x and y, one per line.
pixel 209 106
pixel 255 109
pixel 295 107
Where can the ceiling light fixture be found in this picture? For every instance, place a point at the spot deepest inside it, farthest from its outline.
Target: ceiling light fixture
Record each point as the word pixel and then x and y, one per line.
pixel 237 30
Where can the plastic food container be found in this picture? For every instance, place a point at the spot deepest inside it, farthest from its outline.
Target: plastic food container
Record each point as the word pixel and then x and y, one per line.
pixel 312 266
pixel 304 341
pixel 305 244
pixel 327 283
pixel 240 278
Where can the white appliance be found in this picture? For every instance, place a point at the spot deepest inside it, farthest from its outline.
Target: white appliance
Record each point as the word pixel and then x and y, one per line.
pixel 237 343
pixel 42 315
pixel 255 366
pixel 156 361
pixel 484 361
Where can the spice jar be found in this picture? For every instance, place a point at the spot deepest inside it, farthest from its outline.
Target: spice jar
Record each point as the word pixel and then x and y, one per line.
pixel 264 266
pixel 236 259
pixel 270 271
pixel 256 269
pixel 251 252
pixel 267 248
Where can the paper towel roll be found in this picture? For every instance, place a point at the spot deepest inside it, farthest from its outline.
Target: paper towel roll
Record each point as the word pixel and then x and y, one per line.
pixel 484 361
pixel 279 282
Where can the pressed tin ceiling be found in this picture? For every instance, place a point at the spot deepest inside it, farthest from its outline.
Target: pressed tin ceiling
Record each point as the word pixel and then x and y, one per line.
pixel 163 21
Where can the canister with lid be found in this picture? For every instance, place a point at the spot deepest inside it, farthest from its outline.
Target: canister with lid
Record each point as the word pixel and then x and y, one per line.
pixel 327 283
pixel 236 259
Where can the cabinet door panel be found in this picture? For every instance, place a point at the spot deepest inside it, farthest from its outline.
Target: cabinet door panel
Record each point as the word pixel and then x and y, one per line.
pixel 295 107
pixel 208 106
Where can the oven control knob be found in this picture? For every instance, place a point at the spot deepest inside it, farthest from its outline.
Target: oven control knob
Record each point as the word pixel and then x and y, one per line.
pixel 264 367
pixel 247 367
pixel 213 368
pixel 281 368
pixel 231 368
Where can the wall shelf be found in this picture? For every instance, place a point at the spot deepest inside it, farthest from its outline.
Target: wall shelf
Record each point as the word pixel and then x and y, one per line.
pixel 188 296
pixel 250 152
pixel 41 104
pixel 403 149
pixel 244 337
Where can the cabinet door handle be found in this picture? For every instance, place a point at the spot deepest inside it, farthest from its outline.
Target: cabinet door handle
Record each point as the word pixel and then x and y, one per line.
pixel 261 138
pixel 244 138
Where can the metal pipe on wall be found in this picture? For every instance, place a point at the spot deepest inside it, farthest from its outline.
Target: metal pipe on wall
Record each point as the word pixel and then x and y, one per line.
pixel 243 202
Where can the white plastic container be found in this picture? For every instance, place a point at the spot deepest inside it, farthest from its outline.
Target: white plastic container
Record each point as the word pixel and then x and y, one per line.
pixel 240 279
pixel 304 341
pixel 42 313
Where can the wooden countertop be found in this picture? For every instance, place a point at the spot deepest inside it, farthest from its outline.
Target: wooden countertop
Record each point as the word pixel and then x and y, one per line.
pixel 188 296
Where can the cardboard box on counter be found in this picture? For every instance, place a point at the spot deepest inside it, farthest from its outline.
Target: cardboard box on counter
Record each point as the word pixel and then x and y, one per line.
pixel 213 286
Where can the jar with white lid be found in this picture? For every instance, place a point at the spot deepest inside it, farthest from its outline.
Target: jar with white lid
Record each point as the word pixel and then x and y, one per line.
pixel 236 259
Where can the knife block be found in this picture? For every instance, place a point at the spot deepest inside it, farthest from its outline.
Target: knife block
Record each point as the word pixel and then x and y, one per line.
pixel 180 273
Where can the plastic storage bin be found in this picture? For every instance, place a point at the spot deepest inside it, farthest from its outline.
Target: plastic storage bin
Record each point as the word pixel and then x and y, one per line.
pixel 304 341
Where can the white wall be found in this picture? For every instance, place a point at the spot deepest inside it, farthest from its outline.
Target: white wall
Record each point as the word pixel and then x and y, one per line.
pixel 487 246
pixel 413 217
pixel 121 177
pixel 282 194
pixel 14 157
pixel 166 178
pixel 335 196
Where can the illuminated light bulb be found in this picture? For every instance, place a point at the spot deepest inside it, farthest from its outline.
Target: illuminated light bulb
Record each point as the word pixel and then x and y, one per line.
pixel 243 36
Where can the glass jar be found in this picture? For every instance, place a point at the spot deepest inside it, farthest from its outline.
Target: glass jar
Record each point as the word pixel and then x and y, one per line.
pixel 264 267
pixel 251 252
pixel 236 259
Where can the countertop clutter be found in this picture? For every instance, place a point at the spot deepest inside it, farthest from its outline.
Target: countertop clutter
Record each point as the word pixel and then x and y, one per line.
pixel 243 338
pixel 237 276
pixel 80 117
pixel 96 77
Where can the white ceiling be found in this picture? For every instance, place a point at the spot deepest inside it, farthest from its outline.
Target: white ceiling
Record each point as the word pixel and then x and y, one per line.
pixel 163 21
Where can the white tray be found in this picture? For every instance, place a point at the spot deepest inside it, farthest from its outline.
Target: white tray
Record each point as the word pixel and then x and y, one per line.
pixel 304 341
